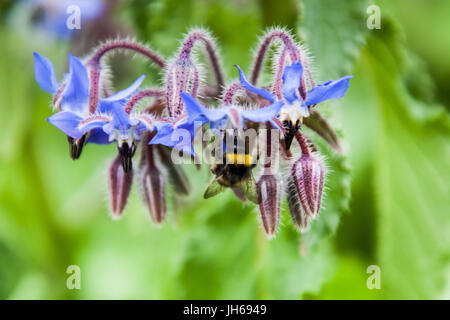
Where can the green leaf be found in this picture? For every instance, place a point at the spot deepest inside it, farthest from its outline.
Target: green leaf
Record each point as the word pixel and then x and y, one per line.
pixel 411 176
pixel 334 31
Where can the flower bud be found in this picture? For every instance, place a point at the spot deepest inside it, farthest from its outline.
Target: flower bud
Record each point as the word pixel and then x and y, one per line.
pixel 305 186
pixel 175 173
pixel 269 193
pixel 119 186
pixel 154 191
pixel 182 76
pixel 153 182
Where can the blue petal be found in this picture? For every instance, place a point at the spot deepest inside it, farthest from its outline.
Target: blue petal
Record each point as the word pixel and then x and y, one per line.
pixel 105 106
pixel 98 136
pixel 263 114
pixel 125 93
pixel 75 96
pixel 93 125
pixel 67 122
pixel 108 128
pixel 185 138
pixel 291 81
pixel 121 120
pixel 329 90
pixel 118 100
pixel 44 74
pixel 165 137
pixel 259 91
pixel 195 110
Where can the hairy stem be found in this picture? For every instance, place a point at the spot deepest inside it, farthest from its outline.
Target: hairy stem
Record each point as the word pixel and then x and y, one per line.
pixel 94 84
pixel 264 46
pixel 232 90
pixel 211 50
pixel 279 74
pixel 141 95
pixel 127 45
pixel 290 50
pixel 303 143
pixel 94 65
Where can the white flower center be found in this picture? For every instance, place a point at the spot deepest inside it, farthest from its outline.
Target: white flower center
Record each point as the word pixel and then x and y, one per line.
pixel 129 136
pixel 294 112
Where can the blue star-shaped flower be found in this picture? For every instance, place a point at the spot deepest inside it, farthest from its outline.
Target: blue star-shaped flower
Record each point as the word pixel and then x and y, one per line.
pixel 110 117
pixel 73 96
pixel 74 118
pixel 294 106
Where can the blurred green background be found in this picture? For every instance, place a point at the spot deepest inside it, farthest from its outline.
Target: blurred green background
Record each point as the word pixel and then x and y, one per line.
pixel 387 202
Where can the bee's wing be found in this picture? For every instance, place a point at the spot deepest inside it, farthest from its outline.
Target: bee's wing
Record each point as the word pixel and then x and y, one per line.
pixel 213 189
pixel 250 190
pixel 239 193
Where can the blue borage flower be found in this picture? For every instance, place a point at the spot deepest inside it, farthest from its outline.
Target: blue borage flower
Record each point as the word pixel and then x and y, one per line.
pixel 75 88
pixel 294 106
pixel 110 121
pixel 110 117
pixel 219 119
pixel 71 96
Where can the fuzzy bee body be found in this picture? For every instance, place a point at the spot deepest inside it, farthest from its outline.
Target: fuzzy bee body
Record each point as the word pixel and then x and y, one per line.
pixel 232 175
pixel 235 172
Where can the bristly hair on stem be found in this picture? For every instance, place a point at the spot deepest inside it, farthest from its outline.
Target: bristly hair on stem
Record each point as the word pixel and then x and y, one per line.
pixel 269 37
pixel 231 92
pixel 141 95
pixel 303 143
pixel 94 63
pixel 204 36
pixel 128 45
pixel 290 49
pixel 184 72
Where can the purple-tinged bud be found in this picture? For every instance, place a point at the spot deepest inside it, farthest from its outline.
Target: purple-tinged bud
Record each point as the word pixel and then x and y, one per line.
pixel 119 186
pixel 153 182
pixel 154 190
pixel 175 173
pixel 212 52
pixel 269 193
pixel 182 76
pixel 183 73
pixel 305 186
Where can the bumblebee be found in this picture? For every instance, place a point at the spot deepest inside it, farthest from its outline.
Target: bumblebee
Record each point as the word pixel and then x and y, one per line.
pixel 234 172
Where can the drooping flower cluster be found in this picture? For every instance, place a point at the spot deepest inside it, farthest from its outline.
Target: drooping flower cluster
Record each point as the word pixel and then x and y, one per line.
pixel 87 112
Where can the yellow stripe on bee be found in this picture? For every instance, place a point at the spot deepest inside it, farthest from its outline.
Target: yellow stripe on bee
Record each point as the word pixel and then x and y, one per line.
pixel 238 158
